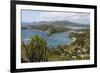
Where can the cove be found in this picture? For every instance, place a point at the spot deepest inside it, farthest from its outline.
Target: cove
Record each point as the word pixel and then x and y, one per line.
pixel 61 38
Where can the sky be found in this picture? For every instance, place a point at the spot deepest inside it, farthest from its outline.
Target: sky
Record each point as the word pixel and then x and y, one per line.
pixel 29 16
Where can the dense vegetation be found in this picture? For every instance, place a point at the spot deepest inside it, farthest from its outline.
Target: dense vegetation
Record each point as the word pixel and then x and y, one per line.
pixel 79 49
pixel 37 51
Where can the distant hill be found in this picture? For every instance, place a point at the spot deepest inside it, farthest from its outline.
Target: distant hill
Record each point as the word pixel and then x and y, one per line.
pixel 55 26
pixel 56 23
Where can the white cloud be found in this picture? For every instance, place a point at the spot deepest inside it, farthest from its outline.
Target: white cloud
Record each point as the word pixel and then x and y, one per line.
pixel 71 16
pixel 55 15
pixel 36 16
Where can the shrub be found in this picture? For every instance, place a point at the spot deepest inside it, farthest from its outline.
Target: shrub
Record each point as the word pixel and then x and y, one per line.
pixel 35 50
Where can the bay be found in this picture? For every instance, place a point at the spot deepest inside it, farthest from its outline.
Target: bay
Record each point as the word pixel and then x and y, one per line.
pixel 61 38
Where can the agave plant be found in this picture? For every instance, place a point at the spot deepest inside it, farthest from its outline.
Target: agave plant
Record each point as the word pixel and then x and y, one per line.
pixel 35 51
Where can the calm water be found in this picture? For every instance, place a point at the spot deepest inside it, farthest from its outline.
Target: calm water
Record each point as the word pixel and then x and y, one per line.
pixel 52 40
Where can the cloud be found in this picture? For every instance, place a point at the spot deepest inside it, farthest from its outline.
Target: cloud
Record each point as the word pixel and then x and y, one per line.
pixel 36 16
pixel 70 16
pixel 55 15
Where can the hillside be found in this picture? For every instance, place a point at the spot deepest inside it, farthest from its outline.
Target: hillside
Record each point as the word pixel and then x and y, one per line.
pixel 55 26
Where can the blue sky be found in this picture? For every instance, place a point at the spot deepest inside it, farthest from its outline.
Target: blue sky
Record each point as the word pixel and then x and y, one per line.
pixel 29 16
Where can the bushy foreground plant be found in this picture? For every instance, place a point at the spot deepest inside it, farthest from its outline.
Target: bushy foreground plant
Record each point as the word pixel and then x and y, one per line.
pixel 35 50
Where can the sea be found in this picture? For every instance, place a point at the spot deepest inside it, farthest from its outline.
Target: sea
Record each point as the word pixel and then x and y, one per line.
pixel 54 40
